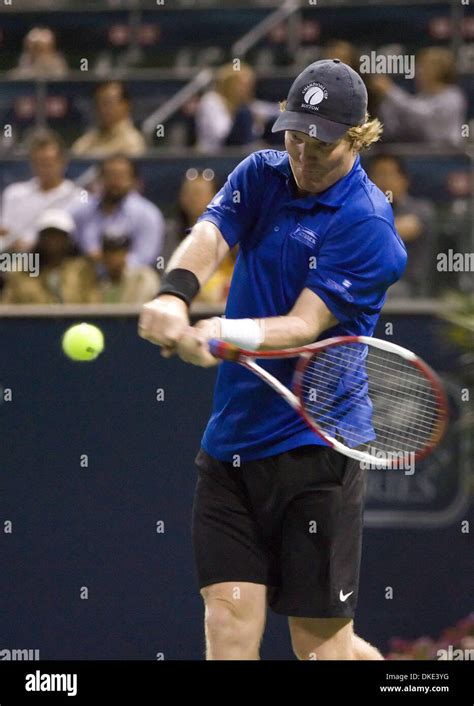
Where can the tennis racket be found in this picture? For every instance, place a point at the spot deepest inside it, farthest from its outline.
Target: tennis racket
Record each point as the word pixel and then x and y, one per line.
pixel 369 399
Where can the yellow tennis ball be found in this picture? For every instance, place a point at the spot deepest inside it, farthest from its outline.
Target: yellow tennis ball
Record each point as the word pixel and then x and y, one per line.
pixel 83 342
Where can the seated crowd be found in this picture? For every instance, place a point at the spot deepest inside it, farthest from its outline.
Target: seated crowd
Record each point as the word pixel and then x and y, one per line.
pixel 108 243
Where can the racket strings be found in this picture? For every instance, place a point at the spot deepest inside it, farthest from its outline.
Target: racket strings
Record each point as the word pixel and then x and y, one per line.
pixel 370 398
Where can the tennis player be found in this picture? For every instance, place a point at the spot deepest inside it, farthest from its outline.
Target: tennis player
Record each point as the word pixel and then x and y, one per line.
pixel 277 515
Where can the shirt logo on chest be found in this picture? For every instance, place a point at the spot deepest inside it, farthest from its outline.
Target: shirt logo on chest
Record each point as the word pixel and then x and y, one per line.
pixel 305 235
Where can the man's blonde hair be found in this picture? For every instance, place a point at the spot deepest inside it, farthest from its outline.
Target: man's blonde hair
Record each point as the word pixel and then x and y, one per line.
pixel 360 137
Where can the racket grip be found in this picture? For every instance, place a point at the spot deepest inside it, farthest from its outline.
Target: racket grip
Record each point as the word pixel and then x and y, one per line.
pixel 223 350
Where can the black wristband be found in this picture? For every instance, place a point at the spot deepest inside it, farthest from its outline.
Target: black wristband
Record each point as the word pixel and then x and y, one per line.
pixel 180 283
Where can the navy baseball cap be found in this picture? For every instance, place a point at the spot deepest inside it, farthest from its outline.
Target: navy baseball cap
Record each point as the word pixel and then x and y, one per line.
pixel 324 101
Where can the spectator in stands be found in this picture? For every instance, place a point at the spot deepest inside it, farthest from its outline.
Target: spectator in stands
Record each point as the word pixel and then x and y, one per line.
pixel 25 201
pixel 345 51
pixel 195 193
pixel 120 210
pixel 224 115
pixel 414 221
pixel 63 278
pixel 40 58
pixel 121 283
pixel 115 131
pixel 435 113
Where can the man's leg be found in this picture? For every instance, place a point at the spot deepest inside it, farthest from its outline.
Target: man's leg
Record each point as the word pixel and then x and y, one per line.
pixel 235 615
pixel 328 638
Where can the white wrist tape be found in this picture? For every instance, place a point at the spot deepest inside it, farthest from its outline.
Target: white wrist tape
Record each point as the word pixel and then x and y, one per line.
pixel 244 333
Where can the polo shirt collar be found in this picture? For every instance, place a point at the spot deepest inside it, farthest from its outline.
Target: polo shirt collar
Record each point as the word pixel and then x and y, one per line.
pixel 334 196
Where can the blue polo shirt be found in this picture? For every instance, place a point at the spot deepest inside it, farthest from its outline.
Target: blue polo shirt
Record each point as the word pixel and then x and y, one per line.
pixel 341 244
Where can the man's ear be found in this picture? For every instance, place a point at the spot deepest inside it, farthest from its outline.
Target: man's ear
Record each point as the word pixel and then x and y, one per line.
pixel 356 147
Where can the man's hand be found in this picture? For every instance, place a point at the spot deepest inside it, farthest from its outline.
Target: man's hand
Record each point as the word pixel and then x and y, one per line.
pixel 163 321
pixel 193 345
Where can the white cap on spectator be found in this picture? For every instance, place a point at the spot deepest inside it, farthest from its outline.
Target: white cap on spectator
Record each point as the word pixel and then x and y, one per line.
pixel 55 218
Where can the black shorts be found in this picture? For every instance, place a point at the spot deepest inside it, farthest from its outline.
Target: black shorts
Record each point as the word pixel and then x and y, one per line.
pixel 292 522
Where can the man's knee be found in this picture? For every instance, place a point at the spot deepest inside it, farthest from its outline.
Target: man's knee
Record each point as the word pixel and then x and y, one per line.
pixel 225 625
pixel 232 621
pixel 322 638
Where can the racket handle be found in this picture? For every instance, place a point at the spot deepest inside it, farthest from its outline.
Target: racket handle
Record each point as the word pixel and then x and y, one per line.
pixel 223 350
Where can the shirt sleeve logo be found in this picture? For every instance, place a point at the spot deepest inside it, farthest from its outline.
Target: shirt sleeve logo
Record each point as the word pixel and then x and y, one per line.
pixel 341 288
pixel 218 202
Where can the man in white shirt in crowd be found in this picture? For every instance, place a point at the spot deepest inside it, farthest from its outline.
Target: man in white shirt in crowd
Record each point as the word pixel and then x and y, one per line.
pixel 23 202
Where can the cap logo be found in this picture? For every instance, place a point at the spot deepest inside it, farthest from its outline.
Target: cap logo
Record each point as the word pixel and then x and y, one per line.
pixel 313 94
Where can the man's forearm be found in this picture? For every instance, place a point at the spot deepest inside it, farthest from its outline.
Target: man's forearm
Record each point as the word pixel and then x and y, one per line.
pixel 302 325
pixel 200 252
pixel 285 332
pixel 164 320
pixel 275 332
